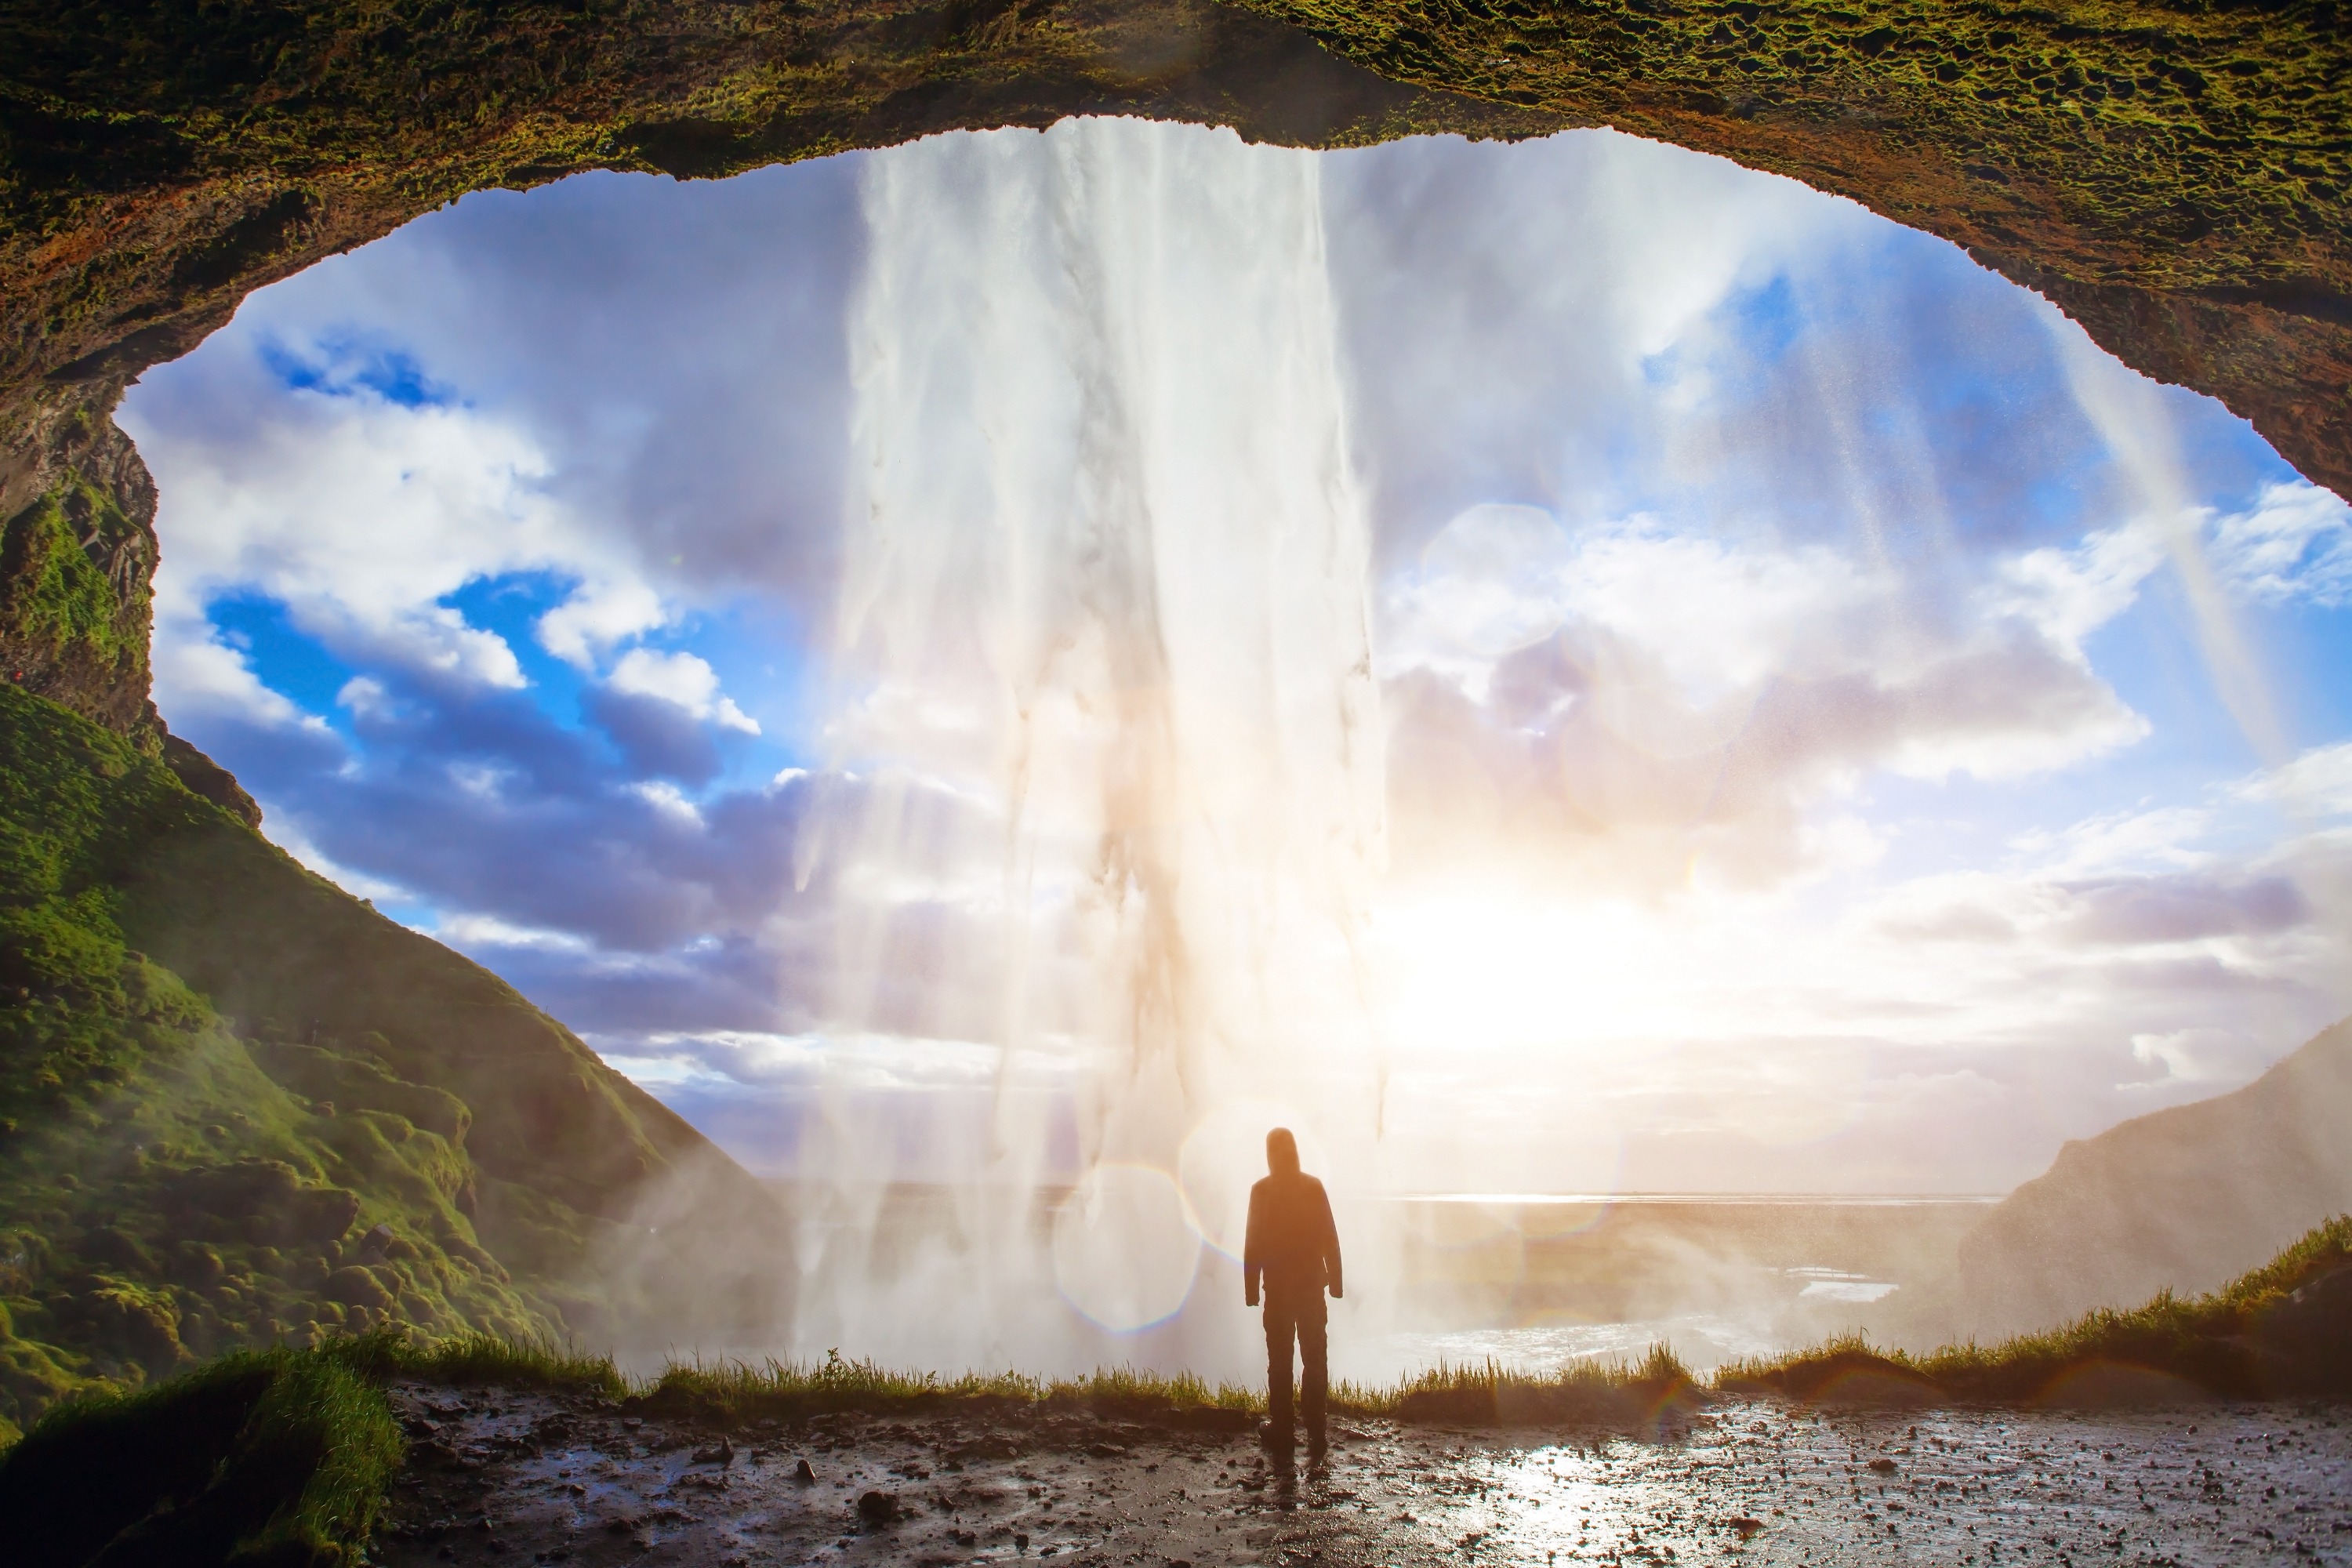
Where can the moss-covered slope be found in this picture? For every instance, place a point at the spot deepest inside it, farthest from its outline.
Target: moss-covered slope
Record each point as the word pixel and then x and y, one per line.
pixel 236 1104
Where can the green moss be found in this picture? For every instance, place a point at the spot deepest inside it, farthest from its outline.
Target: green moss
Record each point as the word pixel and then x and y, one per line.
pixel 74 568
pixel 2123 110
pixel 210 1209
pixel 361 1082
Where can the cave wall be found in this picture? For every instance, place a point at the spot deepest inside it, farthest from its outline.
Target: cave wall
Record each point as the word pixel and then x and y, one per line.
pixel 2175 176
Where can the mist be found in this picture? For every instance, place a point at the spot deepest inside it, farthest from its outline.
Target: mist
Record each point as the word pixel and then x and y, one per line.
pixel 1570 670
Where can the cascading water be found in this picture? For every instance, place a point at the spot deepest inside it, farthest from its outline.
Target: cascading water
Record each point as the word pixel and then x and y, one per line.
pixel 1105 689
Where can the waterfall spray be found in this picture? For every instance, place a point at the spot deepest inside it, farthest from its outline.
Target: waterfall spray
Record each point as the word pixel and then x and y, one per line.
pixel 1104 680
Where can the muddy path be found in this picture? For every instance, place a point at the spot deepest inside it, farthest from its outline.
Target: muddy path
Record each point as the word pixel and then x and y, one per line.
pixel 510 1477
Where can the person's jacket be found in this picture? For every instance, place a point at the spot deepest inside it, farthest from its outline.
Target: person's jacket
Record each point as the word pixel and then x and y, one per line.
pixel 1291 1241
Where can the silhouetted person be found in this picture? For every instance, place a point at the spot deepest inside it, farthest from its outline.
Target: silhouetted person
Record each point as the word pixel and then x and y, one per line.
pixel 1293 1245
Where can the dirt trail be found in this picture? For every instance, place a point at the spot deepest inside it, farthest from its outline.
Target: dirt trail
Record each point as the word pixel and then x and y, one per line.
pixel 498 1476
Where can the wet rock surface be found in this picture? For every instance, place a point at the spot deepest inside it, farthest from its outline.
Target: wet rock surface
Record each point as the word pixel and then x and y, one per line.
pixel 508 1477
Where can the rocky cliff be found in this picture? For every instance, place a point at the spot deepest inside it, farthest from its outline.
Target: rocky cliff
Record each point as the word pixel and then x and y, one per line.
pixel 2183 1200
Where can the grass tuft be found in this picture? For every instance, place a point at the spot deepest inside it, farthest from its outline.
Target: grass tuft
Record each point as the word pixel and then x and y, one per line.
pixel 480 1358
pixel 1642 1392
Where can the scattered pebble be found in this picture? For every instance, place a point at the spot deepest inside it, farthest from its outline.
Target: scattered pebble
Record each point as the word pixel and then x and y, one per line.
pixel 1746 1481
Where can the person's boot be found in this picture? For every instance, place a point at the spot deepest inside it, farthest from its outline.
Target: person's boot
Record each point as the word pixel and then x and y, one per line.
pixel 1316 1444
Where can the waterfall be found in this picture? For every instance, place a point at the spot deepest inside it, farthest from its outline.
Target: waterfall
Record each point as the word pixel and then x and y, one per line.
pixel 1102 680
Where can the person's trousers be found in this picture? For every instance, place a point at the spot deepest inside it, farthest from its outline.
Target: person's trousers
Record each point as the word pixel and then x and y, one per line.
pixel 1299 1318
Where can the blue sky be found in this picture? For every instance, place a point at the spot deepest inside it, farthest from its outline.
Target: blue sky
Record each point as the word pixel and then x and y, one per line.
pixel 1760 606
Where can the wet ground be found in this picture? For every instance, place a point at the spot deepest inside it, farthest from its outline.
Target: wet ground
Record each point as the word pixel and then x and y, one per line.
pixel 513 1478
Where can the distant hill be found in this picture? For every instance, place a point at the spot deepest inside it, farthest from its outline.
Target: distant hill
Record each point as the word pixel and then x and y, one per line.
pixel 237 1104
pixel 2182 1199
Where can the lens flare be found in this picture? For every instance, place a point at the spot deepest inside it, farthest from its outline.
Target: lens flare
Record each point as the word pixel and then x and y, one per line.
pixel 1125 1250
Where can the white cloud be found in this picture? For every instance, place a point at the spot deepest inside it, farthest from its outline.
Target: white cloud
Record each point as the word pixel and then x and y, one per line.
pixel 2294 544
pixel 2067 595
pixel 362 516
pixel 2208 1058
pixel 683 680
pixel 479 780
pixel 1717 619
pixel 1682 704
pixel 597 618
pixel 198 675
pixel 365 696
pixel 469 930
pixel 2318 782
pixel 2163 836
pixel 871 1063
pixel 670 800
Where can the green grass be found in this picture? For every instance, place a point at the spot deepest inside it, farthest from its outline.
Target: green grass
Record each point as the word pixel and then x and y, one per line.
pixel 487 1359
pixel 1578 1392
pixel 2212 1342
pixel 733 1393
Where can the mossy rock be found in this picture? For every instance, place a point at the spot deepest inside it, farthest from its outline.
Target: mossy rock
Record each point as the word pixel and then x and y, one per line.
pixel 357 1286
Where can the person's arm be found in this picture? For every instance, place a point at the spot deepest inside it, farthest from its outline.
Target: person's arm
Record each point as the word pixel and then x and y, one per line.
pixel 1330 1243
pixel 1251 1261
